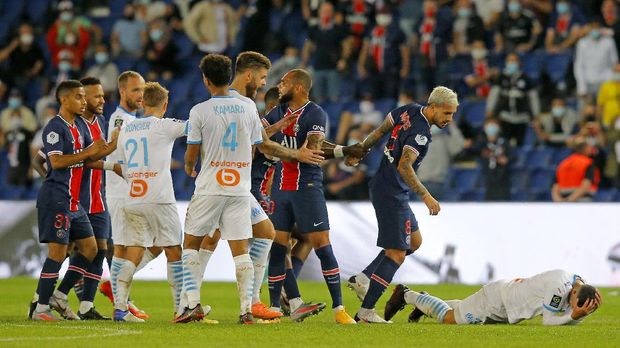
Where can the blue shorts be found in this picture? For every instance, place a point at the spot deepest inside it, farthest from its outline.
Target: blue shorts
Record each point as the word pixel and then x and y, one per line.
pixel 396 222
pixel 307 208
pixel 102 227
pixel 264 201
pixel 58 225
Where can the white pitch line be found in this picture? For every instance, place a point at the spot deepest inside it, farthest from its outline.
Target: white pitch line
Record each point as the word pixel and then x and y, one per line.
pixel 110 333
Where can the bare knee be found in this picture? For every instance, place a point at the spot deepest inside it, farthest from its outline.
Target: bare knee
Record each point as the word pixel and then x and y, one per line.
pixel 209 243
pixel 87 247
pixel 173 253
pixel 155 251
pixel 449 318
pixel 318 239
pixel 416 240
pixel 264 230
pixel 395 255
pixel 282 238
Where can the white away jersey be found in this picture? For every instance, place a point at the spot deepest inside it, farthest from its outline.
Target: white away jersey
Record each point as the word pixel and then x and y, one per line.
pixel 116 187
pixel 545 293
pixel 227 128
pixel 145 147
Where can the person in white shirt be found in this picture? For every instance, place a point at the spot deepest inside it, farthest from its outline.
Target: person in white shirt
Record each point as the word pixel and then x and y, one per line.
pixel 150 209
pixel 595 58
pixel 561 298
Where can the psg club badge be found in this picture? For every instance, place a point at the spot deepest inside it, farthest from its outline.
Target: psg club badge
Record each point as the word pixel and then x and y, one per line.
pixel 60 234
pixel 296 128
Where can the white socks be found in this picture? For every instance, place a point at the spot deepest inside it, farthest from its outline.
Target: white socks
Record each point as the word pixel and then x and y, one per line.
pixel 259 252
pixel 203 256
pixel 192 277
pixel 125 276
pixel 245 280
pixel 60 294
pixel 432 306
pixel 295 303
pixel 175 280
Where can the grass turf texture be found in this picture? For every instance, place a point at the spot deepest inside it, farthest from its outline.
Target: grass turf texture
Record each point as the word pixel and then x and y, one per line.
pixel 602 329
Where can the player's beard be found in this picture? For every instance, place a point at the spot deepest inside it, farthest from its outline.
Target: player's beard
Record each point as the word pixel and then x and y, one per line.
pixel 285 98
pixel 134 105
pixel 250 90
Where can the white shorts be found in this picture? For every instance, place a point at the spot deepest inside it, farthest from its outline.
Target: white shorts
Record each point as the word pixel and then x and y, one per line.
pixel 258 214
pixel 119 223
pixel 231 214
pixel 485 306
pixel 151 224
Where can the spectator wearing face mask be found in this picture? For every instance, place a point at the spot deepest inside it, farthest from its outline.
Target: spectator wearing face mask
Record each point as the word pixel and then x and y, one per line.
pixel 557 127
pixel 65 70
pixel 592 131
pixel 513 100
pixel 329 47
pixel 129 34
pixel 467 27
pixel 161 52
pixel 564 28
pixel 518 30
pixel 105 70
pixel 447 143
pixel 365 119
pixel 23 56
pixel 611 20
pixel 595 59
pixel 17 114
pixel 608 100
pixel 495 157
pixel 69 33
pixel 490 11
pixel 482 73
pixel 576 178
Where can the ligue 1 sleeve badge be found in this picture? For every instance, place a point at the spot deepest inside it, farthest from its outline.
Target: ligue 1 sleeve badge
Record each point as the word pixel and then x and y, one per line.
pixel 52 138
pixel 118 122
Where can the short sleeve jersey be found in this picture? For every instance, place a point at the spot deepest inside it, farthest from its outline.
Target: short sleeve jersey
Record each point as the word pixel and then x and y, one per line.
pixel 92 193
pixel 116 187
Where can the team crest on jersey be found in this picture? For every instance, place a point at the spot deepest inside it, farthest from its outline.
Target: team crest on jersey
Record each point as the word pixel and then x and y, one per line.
pixel 421 139
pixel 118 122
pixel 60 234
pixel 52 138
pixel 404 117
pixel 296 128
pixel 555 301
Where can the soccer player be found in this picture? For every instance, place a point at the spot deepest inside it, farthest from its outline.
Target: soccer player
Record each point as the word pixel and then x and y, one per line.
pixel 150 209
pixel 60 215
pixel 251 72
pixel 399 234
pixel 131 90
pixel 560 297
pixel 297 194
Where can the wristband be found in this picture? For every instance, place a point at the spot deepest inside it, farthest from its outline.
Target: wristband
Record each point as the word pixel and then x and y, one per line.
pixel 338 151
pixel 108 165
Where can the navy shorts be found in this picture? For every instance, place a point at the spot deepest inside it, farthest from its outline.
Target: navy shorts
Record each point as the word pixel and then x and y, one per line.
pixel 264 200
pixel 307 208
pixel 102 227
pixel 58 225
pixel 396 222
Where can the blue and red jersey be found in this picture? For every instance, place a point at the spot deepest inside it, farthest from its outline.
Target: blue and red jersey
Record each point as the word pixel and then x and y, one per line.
pixel 262 171
pixel 411 130
pixel 92 193
pixel 310 119
pixel 62 186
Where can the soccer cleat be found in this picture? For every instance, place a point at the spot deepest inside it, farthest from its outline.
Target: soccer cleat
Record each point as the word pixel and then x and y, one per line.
pixel 106 289
pixel 261 311
pixel 306 310
pixel 369 316
pixel 246 319
pixel 396 302
pixel 62 307
pixel 191 314
pixel 31 308
pixel 342 317
pixel 285 305
pixel 415 315
pixel 126 316
pixel 46 315
pixel 92 314
pixel 359 283
pixel 137 312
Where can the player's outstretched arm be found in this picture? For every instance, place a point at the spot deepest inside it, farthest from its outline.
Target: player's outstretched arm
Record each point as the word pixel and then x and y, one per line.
pixel 304 155
pixel 64 161
pixel 331 150
pixel 405 169
pixel 191 159
pixel 378 133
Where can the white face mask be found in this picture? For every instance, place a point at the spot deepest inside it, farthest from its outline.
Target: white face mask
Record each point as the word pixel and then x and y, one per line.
pixel 478 53
pixel 26 39
pixel 383 19
pixel 70 39
pixel 366 106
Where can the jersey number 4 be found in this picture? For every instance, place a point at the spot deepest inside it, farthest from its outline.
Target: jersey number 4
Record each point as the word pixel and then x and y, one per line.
pixel 230 138
pixel 134 148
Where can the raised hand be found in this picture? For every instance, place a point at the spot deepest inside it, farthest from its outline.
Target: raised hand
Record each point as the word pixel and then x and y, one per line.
pixel 283 123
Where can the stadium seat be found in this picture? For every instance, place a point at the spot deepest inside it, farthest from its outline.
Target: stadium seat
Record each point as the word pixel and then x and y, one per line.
pixel 530 140
pixel 4 31
pixel 541 180
pixel 540 159
pixel 106 24
pixel 605 195
pixel 518 195
pixel 519 178
pixel 451 196
pixel 12 11
pixel 475 113
pixel 179 89
pixel 557 66
pixel 185 45
pixel 532 64
pixel 474 196
pixel 385 105
pixel 181 111
pixel 521 157
pixel 125 63
pixel 37 9
pixel 117 7
pixel 559 155
pixel 464 180
pixel 542 196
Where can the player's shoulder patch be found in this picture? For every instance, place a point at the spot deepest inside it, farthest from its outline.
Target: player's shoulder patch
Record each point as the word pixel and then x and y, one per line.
pixel 421 139
pixel 177 120
pixel 52 138
pixel 118 122
pixel 555 301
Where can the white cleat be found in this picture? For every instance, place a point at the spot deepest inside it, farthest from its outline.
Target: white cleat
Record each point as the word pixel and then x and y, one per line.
pixel 359 283
pixel 126 316
pixel 62 307
pixel 369 316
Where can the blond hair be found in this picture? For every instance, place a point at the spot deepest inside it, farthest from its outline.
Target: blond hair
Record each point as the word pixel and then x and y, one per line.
pixel 154 94
pixel 443 96
pixel 122 78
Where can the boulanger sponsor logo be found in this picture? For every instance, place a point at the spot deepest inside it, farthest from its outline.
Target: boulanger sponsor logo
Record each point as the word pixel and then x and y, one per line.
pixel 239 164
pixel 138 188
pixel 228 177
pixel 142 175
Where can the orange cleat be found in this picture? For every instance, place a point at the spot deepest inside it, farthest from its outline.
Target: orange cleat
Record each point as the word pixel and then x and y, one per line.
pixel 137 312
pixel 106 289
pixel 260 311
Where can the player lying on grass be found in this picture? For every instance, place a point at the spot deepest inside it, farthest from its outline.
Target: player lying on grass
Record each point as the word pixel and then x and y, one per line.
pixel 560 297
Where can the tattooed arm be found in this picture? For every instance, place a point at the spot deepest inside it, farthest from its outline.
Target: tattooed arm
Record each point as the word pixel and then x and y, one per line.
pixel 305 154
pixel 405 169
pixel 378 133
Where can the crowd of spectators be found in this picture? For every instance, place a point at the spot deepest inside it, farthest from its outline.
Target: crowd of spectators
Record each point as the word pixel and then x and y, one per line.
pixel 536 78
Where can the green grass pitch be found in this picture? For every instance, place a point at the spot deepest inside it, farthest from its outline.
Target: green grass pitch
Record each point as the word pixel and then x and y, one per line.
pixel 602 329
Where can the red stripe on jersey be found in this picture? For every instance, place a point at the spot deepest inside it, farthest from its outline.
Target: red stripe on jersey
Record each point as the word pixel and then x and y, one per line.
pixel 266 177
pixel 75 179
pixel 96 175
pixel 290 173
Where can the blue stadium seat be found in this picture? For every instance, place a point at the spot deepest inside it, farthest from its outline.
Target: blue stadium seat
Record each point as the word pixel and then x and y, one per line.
pixel 605 195
pixel 557 66
pixel 11 11
pixel 37 9
pixel 530 139
pixel 475 113
pixel 522 154
pixel 474 196
pixel 4 32
pixel 385 105
pixel 541 180
pixel 451 196
pixel 464 180
pixel 532 64
pixel 560 154
pixel 117 7
pixel 125 63
pixel 542 196
pixel 185 45
pixel 518 195
pixel 519 178
pixel 106 24
pixel 182 109
pixel 540 158
pixel 179 89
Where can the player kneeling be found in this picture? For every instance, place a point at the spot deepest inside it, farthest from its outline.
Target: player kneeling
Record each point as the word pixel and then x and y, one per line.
pixel 560 297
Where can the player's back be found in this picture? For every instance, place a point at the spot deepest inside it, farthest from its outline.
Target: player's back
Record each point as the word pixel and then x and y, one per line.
pixel 146 148
pixel 116 187
pixel 525 298
pixel 226 128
